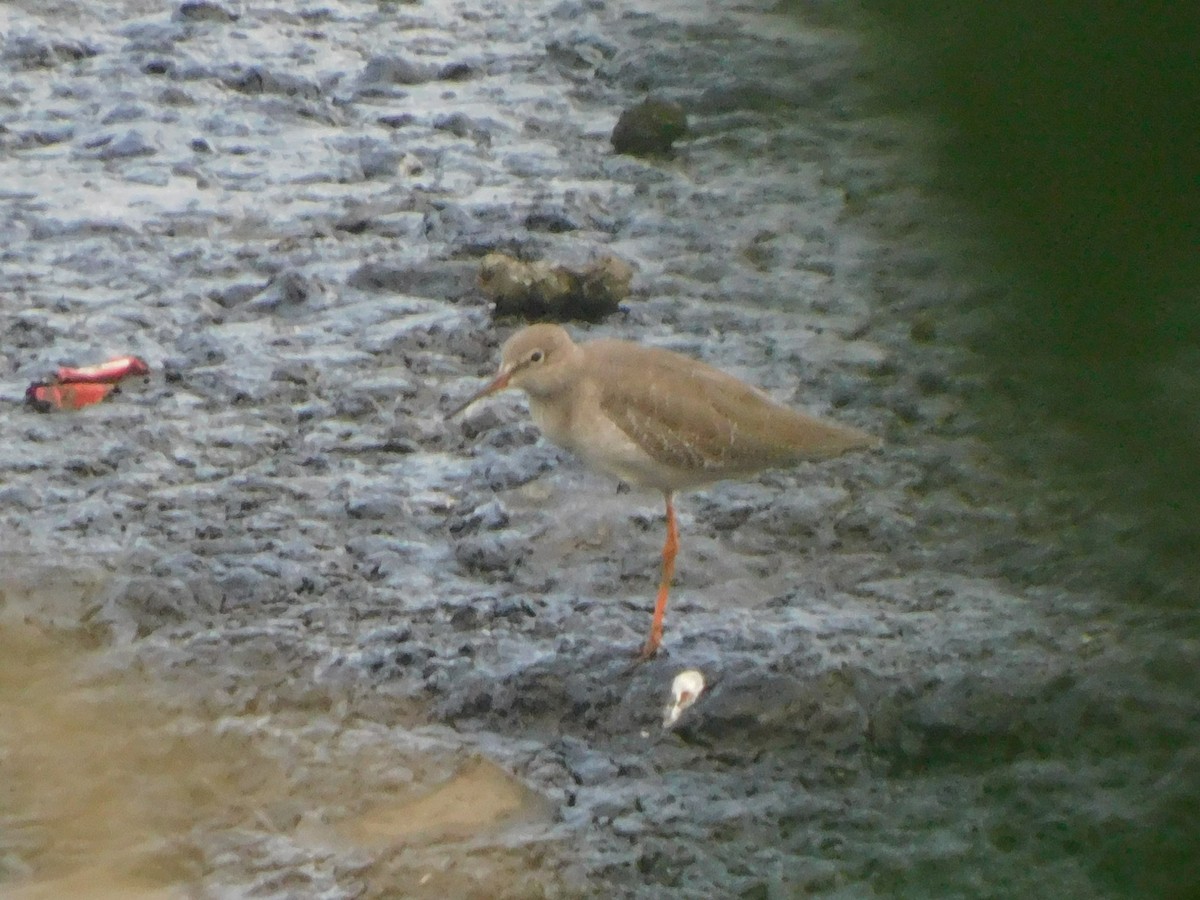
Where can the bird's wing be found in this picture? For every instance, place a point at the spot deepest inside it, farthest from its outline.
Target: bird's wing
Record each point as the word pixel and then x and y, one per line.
pixel 684 413
pixel 681 411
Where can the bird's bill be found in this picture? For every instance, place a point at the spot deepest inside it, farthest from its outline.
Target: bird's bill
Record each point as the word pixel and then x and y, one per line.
pixel 497 384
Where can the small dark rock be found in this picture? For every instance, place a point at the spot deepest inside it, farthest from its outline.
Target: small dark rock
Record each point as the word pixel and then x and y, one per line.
pixel 158 67
pixel 257 80
pixel 151 603
pixel 467 704
pixel 173 96
pixel 449 222
pixel 235 294
pixel 129 145
pixel 923 328
pixel 482 418
pixel 580 54
pixel 514 610
pixel 19 497
pixel 379 277
pixel 197 348
pixel 932 381
pixel 173 371
pixel 650 128
pixel 518 467
pixel 205 11
pixel 551 220
pixel 760 890
pixel 465 618
pixel 496 554
pixel 844 390
pixel 398 120
pixel 447 281
pixel 377 507
pixel 379 160
pixel 387 635
pixel 381 72
pixel 487 516
pixel 90 466
pixel 285 291
pixel 295 372
pixel 398 444
pixel 242 586
pixel 354 405
pixel 124 112
pixel 34 52
pixel 587 766
pixel 461 125
pixel 47 135
pixel 456 71
pixel 628 826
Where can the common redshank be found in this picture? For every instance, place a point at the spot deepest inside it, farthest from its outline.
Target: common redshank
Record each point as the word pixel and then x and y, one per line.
pixel 657 419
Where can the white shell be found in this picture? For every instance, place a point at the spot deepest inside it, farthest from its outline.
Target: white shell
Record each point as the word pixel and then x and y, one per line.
pixel 685 690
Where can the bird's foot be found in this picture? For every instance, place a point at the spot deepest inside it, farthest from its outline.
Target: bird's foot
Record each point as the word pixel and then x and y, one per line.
pixel 643 654
pixel 650 649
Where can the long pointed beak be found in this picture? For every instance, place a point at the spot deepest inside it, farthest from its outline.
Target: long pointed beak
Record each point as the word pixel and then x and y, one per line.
pixel 497 384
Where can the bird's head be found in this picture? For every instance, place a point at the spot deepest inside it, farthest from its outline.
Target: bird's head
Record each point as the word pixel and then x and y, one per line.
pixel 534 360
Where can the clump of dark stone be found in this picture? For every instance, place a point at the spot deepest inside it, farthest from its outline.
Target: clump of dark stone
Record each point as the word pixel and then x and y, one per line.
pixel 457 71
pixel 472 232
pixel 494 555
pixel 382 74
pixel 446 280
pixel 44 136
pixel 204 11
pixel 109 147
pixel 650 129
pixel 235 294
pixel 259 80
pixel 397 120
pixel 285 292
pixel 35 52
pixel 463 126
pixel 541 291
pixel 554 221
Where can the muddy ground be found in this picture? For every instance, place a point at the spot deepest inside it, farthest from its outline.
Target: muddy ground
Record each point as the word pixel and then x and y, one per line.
pixel 275 628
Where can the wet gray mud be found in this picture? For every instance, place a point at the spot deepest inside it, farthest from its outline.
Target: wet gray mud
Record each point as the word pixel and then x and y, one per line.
pixel 316 641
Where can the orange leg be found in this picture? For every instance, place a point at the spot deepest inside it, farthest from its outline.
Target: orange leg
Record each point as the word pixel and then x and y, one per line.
pixel 670 548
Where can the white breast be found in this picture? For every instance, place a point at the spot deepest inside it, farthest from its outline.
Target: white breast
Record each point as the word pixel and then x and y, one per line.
pixel 602 446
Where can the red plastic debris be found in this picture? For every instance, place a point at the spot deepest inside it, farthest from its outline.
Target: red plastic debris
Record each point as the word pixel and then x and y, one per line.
pixel 106 373
pixel 44 397
pixel 74 388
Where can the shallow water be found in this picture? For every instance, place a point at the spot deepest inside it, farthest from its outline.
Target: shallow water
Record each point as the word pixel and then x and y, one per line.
pixel 114 782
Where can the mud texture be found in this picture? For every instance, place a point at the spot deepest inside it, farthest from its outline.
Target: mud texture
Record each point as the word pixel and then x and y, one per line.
pixel 282 208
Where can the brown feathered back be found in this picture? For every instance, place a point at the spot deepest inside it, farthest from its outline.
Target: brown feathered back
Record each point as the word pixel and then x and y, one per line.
pixel 681 411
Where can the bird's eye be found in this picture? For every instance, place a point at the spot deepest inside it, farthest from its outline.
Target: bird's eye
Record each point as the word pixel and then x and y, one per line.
pixel 536 356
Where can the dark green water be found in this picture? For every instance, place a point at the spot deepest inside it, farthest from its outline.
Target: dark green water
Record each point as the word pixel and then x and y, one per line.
pixel 1074 137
